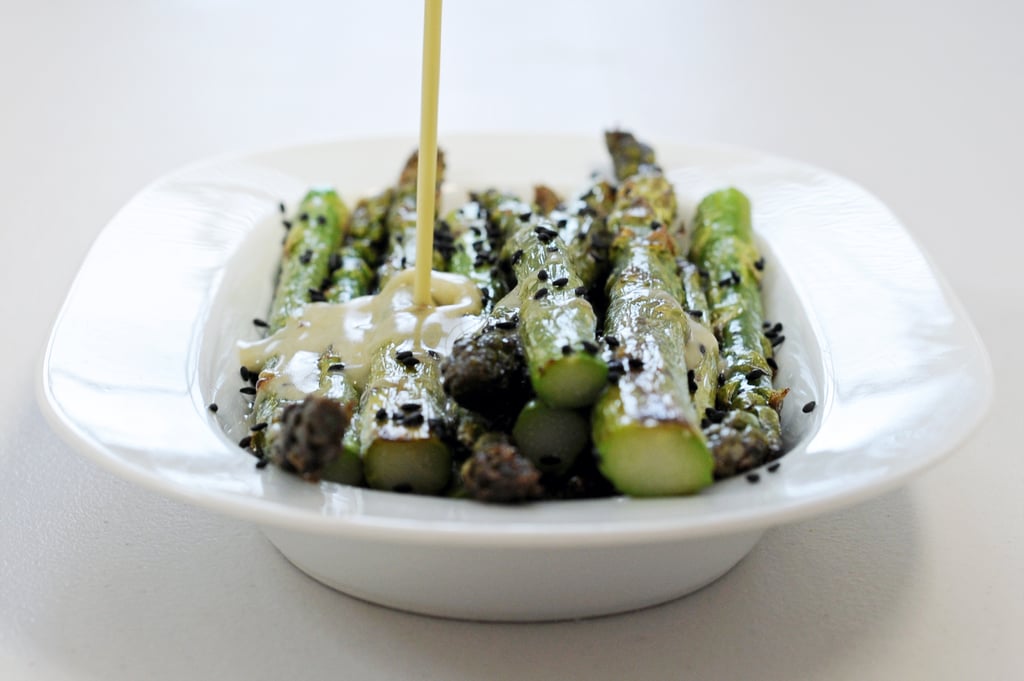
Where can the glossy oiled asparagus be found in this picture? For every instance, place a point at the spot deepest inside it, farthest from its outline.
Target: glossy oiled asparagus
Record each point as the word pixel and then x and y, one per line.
pixel 315 233
pixel 404 423
pixel 746 431
pixel 557 324
pixel 645 426
pixel 400 252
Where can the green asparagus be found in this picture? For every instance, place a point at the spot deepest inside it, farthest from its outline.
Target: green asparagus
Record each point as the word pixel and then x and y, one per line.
pixel 551 437
pixel 745 430
pixel 400 252
pixel 312 238
pixel 645 426
pixel 404 422
pixel 556 323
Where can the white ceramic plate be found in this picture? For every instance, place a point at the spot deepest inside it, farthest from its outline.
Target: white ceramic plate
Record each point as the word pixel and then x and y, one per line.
pixel 145 341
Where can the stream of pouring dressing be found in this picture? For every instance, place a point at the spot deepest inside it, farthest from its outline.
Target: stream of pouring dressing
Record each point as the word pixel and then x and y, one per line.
pixel 425 311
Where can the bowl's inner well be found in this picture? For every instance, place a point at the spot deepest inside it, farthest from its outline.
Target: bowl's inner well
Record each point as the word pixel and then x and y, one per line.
pixel 245 291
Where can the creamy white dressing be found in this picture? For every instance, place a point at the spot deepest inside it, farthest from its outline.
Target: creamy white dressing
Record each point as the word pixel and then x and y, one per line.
pixel 698 334
pixel 354 330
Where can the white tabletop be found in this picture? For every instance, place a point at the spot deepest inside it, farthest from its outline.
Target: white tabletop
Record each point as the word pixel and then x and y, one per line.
pixel 921 102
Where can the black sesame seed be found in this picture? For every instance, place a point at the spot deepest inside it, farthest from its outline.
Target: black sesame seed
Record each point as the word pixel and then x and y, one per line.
pixel 611 341
pixel 213 407
pixel 809 407
pixel 541 293
pixel 691 381
pixel 721 380
pixel 507 325
pixel 262 463
pixel 566 350
pixel 433 354
pixel 755 374
pixel 542 275
pixel 553 248
pixel 306 256
pixel 244 374
pixel 259 426
pixel 705 424
pixel 560 282
pixel 778 340
pixel 736 277
pixel 337 366
pixel 316 295
pixel 580 290
pixel 260 323
pixel 562 223
pixel 725 282
pixel 281 207
pixel 590 347
pixel 287 224
pixel 714 415
pixel 413 420
pixel 655 224
pixel 635 364
pixel 759 264
pixel 321 219
pixel 696 314
pixel 403 355
pixel 772 467
pixel 382 414
pixel 411 407
pixel 245 442
pixel 247 390
pixel 303 217
pixel 702 349
pixel 753 478
pixel 772 363
pixel 517 256
pixel 525 217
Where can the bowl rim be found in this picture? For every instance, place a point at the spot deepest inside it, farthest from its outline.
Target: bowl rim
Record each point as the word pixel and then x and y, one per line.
pixel 506 526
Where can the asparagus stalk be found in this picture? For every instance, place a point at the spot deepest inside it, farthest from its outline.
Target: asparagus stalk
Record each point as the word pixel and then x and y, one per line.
pixel 583 226
pixel 552 438
pixel 404 419
pixel 314 235
pixel 645 426
pixel 475 250
pixel 401 222
pixel 556 323
pixel 723 246
pixel 701 346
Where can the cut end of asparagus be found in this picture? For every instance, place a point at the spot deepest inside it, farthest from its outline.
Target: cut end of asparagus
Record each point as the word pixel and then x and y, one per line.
pixel 347 469
pixel 550 437
pixel 664 459
pixel 572 381
pixel 420 467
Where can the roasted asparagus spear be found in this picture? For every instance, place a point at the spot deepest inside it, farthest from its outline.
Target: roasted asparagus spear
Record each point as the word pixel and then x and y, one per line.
pixel 744 431
pixel 556 323
pixel 645 426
